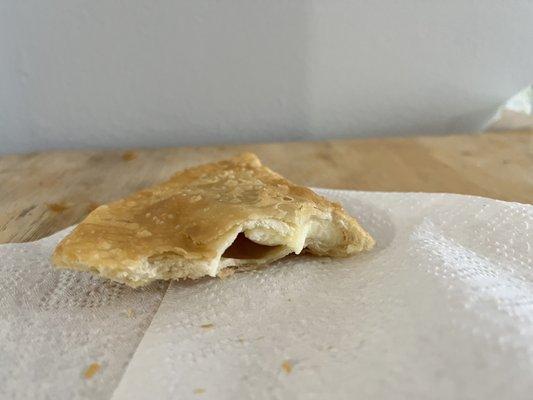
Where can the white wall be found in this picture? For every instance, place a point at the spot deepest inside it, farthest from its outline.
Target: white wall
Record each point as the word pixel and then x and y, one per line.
pixel 76 73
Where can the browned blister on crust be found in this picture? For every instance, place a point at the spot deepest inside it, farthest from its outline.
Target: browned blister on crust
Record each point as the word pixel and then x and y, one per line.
pixel 202 220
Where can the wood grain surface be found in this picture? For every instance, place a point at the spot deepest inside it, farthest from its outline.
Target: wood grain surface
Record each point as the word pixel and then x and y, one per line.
pixel 41 193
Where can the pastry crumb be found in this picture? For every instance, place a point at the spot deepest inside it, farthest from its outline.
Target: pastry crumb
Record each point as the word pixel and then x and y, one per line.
pixel 131 313
pixel 226 273
pixel 57 207
pixel 199 391
pixel 207 326
pixel 91 370
pixel 129 155
pixel 287 366
pixel 242 340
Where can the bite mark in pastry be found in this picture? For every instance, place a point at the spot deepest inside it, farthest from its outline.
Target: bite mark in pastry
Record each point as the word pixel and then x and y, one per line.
pixel 205 219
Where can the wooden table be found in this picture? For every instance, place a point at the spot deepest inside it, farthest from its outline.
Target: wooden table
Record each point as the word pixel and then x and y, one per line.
pixel 41 193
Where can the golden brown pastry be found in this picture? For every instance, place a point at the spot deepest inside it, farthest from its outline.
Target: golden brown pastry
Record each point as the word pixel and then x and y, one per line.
pixel 205 219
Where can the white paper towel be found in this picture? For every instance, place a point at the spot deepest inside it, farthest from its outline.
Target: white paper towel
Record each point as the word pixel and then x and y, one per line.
pixel 442 308
pixel 55 324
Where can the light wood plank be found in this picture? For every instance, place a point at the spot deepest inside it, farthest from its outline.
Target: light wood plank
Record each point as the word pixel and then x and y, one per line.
pixel 41 193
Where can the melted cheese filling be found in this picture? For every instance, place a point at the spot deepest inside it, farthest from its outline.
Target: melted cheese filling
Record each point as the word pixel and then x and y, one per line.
pixel 259 242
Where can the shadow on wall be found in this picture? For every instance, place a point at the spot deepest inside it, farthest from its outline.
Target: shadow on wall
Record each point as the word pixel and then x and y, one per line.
pixel 107 74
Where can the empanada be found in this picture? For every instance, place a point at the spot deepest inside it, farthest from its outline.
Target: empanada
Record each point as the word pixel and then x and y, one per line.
pixel 205 219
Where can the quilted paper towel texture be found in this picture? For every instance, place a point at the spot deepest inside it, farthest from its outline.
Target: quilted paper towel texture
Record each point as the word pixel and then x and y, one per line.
pixel 442 308
pixel 55 324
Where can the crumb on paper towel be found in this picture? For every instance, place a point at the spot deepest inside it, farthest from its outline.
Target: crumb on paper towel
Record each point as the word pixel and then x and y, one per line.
pixel 240 339
pixel 129 155
pixel 287 366
pixel 207 326
pixel 131 313
pixel 57 207
pixel 91 370
pixel 199 391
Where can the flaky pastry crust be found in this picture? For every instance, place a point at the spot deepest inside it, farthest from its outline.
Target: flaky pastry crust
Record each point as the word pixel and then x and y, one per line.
pixel 205 219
